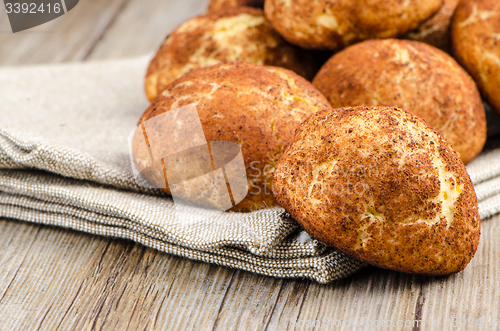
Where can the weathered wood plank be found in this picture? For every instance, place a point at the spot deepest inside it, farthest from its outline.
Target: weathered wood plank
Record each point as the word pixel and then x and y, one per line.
pixel 15 242
pixel 69 280
pixel 143 25
pixel 96 30
pixel 69 37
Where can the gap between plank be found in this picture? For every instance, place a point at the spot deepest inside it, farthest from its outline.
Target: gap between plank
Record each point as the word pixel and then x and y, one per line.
pixel 110 23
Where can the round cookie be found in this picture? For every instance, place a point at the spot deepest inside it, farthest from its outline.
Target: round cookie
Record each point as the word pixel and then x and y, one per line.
pixel 475 32
pixel 436 30
pixel 237 34
pixel 382 186
pixel 414 76
pixel 332 24
pixel 258 107
pixel 224 4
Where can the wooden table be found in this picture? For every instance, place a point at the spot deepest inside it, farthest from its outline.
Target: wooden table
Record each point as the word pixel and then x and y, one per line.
pixel 57 279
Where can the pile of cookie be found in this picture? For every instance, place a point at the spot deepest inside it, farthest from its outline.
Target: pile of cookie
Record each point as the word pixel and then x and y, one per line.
pixel 357 119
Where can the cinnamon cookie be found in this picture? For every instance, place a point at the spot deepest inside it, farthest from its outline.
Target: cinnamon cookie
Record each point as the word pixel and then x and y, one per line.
pixel 257 107
pixel 382 186
pixel 476 44
pixel 332 24
pixel 414 76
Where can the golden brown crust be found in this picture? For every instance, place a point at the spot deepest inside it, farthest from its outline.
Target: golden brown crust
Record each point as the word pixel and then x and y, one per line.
pixel 414 76
pixel 235 34
pixel 258 107
pixel 436 30
pixel 475 34
pixel 382 186
pixel 332 24
pixel 224 4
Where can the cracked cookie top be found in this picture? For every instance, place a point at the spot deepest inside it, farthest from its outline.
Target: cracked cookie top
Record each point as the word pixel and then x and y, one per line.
pixel 234 34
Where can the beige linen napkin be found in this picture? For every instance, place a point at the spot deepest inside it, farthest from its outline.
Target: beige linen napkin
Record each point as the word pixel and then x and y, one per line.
pixel 64 160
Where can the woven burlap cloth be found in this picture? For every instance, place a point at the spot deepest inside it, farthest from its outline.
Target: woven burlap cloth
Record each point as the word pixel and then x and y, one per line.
pixel 64 161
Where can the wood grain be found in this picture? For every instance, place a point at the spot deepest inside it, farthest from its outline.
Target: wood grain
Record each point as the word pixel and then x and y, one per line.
pixel 69 37
pixel 96 29
pixel 128 36
pixel 58 279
